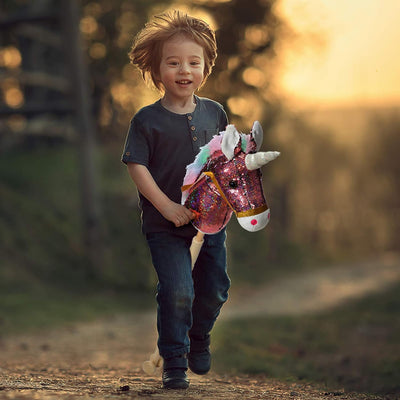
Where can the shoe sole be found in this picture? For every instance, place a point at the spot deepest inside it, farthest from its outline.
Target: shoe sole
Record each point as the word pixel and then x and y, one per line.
pixel 176 385
pixel 199 372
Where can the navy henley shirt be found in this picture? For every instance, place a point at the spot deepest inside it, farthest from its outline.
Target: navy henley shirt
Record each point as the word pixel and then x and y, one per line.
pixel 166 143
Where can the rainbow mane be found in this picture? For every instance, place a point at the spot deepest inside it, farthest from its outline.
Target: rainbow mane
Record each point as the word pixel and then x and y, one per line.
pixel 194 169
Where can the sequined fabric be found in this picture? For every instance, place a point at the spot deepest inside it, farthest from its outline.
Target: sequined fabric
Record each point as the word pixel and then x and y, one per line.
pixel 213 213
pixel 224 185
pixel 242 188
pixel 229 187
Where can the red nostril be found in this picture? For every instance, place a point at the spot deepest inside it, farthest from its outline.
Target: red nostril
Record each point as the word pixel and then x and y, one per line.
pixel 253 222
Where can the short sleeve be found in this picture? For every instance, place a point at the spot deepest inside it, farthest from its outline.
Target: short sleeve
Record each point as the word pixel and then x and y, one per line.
pixel 223 120
pixel 137 149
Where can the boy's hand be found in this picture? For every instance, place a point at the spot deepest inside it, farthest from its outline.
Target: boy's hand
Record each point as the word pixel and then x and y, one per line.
pixel 174 212
pixel 178 214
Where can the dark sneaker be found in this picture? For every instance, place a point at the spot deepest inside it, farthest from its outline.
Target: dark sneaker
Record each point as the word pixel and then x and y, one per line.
pixel 199 357
pixel 175 379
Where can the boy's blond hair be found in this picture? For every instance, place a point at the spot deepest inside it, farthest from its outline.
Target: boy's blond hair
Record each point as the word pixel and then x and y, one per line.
pixel 146 50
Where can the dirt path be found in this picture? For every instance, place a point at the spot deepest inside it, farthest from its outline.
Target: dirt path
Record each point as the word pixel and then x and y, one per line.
pixel 102 359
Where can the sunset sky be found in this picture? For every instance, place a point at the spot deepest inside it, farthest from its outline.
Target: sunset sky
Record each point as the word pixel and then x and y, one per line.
pixel 356 57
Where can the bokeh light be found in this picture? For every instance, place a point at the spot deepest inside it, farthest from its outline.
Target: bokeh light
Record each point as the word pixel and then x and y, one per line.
pixel 88 25
pixel 97 51
pixel 10 57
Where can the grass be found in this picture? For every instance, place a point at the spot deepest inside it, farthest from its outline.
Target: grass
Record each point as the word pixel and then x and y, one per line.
pixel 355 347
pixel 35 310
pixel 45 277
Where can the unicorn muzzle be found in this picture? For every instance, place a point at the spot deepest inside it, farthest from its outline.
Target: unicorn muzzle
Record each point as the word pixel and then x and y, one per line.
pixel 256 222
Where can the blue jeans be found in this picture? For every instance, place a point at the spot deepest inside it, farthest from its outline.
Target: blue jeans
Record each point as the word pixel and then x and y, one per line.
pixel 188 301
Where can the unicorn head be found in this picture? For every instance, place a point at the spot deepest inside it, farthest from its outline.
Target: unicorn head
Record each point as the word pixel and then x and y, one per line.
pixel 225 178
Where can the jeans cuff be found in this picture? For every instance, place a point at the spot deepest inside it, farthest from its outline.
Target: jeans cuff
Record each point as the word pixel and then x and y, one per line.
pixel 176 362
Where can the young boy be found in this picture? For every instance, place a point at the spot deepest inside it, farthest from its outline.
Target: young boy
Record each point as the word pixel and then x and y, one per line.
pixel 176 53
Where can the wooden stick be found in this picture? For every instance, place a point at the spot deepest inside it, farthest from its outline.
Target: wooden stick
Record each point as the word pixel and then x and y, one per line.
pixel 197 243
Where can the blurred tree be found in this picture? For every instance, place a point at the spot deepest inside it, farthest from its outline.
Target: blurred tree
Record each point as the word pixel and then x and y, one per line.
pixel 82 101
pixel 44 62
pixel 34 87
pixel 242 79
pixel 108 29
pixel 381 180
pixel 247 33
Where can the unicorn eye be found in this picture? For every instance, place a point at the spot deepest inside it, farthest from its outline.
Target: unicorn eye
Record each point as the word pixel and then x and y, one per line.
pixel 233 184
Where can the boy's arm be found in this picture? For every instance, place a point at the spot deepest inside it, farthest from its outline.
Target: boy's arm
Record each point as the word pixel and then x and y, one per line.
pixel 174 212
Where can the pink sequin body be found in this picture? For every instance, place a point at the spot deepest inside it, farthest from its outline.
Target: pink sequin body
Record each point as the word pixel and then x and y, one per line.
pixel 230 188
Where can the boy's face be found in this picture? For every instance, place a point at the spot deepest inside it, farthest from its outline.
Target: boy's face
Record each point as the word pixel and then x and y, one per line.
pixel 181 67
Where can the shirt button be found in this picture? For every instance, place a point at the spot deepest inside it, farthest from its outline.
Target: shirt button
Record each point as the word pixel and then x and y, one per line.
pixel 192 128
pixel 190 117
pixel 194 138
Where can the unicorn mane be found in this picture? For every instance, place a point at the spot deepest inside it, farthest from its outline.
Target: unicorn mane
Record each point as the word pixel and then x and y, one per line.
pixel 194 169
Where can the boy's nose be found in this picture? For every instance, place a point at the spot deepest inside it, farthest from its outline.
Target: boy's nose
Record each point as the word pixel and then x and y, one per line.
pixel 184 68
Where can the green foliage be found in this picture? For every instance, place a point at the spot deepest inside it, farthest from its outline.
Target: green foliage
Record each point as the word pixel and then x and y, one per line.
pixel 39 219
pixel 44 274
pixel 40 227
pixel 35 309
pixel 355 346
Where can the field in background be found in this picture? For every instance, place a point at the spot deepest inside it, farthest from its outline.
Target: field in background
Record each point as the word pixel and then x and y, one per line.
pixel 353 347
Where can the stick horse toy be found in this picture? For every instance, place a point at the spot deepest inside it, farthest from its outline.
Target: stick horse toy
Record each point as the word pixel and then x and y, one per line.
pixel 224 178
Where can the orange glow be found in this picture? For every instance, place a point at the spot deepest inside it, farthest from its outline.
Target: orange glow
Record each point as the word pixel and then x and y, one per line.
pixel 256 35
pixel 353 60
pixel 12 93
pixel 196 12
pixel 10 57
pixel 248 107
pixel 128 72
pixel 14 97
pixel 88 25
pixel 254 77
pixel 238 105
pixel 97 51
pixel 211 1
pixel 233 62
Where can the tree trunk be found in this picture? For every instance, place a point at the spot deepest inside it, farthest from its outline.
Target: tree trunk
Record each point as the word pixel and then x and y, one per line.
pixel 85 127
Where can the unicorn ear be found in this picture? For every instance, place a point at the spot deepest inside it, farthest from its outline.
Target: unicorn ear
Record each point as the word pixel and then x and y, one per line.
pixel 257 134
pixel 230 140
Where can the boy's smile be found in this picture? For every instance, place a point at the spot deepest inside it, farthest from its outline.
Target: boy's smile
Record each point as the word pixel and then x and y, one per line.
pixel 181 71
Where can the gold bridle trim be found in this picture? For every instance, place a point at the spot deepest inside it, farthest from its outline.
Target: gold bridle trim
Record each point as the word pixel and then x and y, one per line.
pixel 212 176
pixel 250 213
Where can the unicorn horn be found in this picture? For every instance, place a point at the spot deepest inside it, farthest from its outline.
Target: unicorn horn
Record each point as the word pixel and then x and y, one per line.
pixel 257 160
